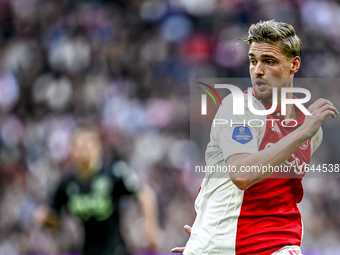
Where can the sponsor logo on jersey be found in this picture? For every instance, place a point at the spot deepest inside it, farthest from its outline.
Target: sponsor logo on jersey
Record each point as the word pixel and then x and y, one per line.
pixel 304 146
pixel 276 129
pixel 242 135
pixel 97 203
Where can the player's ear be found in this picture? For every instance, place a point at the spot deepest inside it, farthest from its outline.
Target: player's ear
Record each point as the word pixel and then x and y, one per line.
pixel 295 64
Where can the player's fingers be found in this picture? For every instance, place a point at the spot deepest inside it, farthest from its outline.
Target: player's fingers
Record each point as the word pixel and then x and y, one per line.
pixel 323 108
pixel 336 111
pixel 187 229
pixel 328 107
pixel 178 250
pixel 318 104
pixel 329 113
pixel 324 101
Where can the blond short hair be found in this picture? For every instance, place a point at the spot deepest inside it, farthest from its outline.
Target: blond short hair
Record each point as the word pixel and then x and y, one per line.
pixel 274 32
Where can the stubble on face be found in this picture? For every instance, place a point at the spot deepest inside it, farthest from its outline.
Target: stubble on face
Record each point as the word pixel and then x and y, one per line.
pixel 264 95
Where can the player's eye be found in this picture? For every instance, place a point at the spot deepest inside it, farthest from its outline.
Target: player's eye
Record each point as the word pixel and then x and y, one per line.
pixel 252 61
pixel 269 62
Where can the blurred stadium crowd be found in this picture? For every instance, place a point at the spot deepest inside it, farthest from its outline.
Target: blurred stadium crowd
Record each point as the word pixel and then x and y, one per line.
pixel 125 66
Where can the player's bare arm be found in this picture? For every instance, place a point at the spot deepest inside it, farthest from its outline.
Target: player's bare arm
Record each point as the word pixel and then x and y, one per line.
pixel 147 201
pixel 278 153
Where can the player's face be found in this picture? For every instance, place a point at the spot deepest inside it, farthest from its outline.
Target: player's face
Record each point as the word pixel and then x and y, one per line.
pixel 269 68
pixel 86 149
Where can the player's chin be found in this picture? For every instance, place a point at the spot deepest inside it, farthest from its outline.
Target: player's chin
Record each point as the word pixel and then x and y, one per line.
pixel 83 164
pixel 263 95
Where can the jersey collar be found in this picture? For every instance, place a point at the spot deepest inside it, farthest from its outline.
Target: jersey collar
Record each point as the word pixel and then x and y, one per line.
pixel 277 113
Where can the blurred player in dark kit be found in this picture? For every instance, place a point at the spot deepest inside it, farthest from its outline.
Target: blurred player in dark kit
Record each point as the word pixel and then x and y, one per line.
pixel 93 193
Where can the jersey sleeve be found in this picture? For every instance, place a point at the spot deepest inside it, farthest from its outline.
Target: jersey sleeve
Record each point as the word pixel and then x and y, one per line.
pixel 242 133
pixel 127 180
pixel 316 141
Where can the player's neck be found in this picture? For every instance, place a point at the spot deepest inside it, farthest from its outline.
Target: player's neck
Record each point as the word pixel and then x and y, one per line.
pixel 291 111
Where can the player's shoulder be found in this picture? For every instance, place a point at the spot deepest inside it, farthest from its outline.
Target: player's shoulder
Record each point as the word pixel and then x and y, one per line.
pixel 119 169
pixel 229 98
pixel 229 103
pixel 123 172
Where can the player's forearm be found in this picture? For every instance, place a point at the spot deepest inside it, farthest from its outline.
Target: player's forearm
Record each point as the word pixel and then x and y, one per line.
pixel 274 155
pixel 147 201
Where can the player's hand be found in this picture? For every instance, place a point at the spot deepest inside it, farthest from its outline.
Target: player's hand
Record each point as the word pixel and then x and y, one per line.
pixel 153 244
pixel 320 109
pixel 44 216
pixel 181 249
pixel 155 239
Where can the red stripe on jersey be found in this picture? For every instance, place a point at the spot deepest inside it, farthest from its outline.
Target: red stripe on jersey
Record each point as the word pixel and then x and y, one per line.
pixel 198 193
pixel 269 217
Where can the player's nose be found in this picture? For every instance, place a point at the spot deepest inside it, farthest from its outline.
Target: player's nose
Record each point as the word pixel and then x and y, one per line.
pixel 259 70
